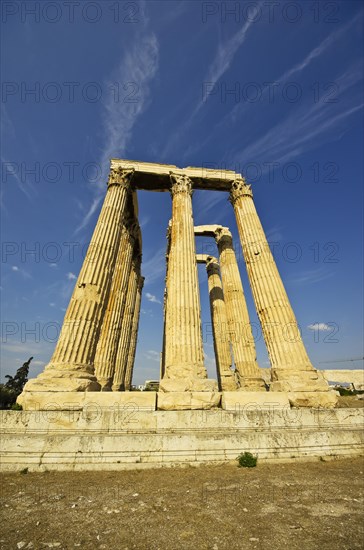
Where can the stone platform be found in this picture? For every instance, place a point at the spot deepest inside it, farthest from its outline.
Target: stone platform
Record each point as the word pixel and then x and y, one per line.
pixel 125 437
pixel 93 401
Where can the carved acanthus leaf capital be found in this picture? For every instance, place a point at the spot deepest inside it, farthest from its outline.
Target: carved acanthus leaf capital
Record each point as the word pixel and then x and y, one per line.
pixel 121 176
pixel 239 188
pixel 223 235
pixel 137 260
pixel 212 265
pixel 180 183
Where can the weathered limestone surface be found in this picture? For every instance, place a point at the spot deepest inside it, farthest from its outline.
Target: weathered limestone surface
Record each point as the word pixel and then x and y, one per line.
pixel 254 400
pixel 241 335
pixel 71 367
pixel 220 327
pixel 316 400
pixel 292 370
pixel 187 400
pixel 124 345
pixel 134 335
pixel 183 359
pixel 118 438
pixel 156 177
pixel 107 346
pixel 93 403
pixel 346 376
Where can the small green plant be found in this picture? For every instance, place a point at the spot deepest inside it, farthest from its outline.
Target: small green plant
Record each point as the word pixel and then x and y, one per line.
pixel 344 392
pixel 24 471
pixel 247 460
pixel 16 407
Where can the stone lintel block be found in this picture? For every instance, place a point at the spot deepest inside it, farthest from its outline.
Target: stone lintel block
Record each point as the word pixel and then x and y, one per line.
pixel 314 400
pixel 180 401
pixel 234 401
pixel 63 401
pixel 188 384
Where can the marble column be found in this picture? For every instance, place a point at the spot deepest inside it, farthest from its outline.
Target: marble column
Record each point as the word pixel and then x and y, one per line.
pixel 107 346
pixel 72 365
pixel 220 327
pixel 134 335
pixel 291 367
pixel 163 354
pixel 123 350
pixel 184 360
pixel 241 335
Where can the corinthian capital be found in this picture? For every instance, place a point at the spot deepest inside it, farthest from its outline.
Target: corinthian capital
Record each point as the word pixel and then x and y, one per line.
pixel 223 235
pixel 180 183
pixel 121 176
pixel 212 265
pixel 239 188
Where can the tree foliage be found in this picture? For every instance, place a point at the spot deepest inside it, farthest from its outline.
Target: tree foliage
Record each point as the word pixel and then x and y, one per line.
pixel 14 386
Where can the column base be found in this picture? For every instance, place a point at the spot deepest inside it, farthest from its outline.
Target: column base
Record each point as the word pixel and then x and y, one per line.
pixel 123 405
pixel 61 378
pixel 228 382
pixel 296 380
pixel 189 384
pixel 249 384
pixel 186 400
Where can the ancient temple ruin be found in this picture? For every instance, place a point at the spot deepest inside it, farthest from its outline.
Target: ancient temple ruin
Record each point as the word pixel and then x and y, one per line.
pixel 96 348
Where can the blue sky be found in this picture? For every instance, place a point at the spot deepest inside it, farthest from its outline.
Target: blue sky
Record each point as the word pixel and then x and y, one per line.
pixel 275 92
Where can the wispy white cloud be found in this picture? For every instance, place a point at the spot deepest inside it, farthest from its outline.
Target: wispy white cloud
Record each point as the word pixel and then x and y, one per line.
pixel 319 326
pixel 220 64
pixel 152 298
pixel 21 271
pixel 71 276
pixel 320 49
pixel 152 355
pixel 307 126
pixel 137 68
pixel 154 268
pixel 312 276
pixel 239 109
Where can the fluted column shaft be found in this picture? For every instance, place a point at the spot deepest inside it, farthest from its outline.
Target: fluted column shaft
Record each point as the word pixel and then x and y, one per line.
pixel 241 335
pixel 282 336
pixel 126 328
pixel 71 367
pixel 163 355
pixel 107 346
pixel 134 335
pixel 220 327
pixel 183 338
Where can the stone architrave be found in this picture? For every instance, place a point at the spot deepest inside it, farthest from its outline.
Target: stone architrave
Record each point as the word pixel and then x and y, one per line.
pixel 134 335
pixel 292 370
pixel 107 346
pixel 72 365
pixel 184 360
pixel 123 350
pixel 240 330
pixel 220 327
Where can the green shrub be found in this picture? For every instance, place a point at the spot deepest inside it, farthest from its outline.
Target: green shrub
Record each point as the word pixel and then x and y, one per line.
pixel 16 407
pixel 247 460
pixel 345 391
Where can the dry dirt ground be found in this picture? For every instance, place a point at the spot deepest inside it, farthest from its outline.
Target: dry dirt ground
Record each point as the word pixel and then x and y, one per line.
pixel 305 506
